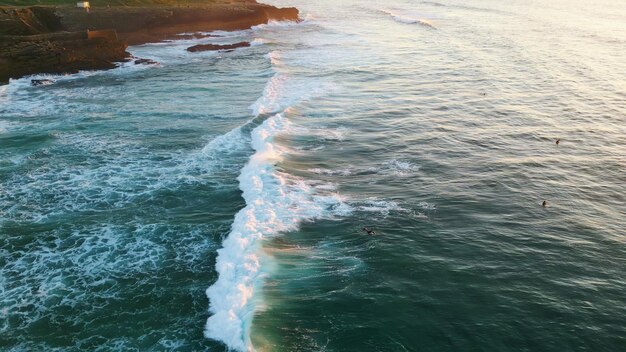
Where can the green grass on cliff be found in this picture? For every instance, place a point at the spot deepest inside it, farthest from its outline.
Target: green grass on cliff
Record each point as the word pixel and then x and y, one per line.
pixel 108 2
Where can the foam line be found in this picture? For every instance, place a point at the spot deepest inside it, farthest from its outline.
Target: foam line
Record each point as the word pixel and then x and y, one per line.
pixel 276 202
pixel 409 19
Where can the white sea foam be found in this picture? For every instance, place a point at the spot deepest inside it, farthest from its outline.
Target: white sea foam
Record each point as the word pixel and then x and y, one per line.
pixel 270 101
pixel 276 25
pixel 230 142
pixel 275 99
pixel 396 168
pixel 72 266
pixel 340 172
pixel 116 172
pixel 388 207
pixel 379 206
pixel 276 202
pixel 400 168
pixel 300 90
pixel 274 57
pixel 258 41
pixel 19 97
pixel 4 126
pixel 175 51
pixel 409 18
pixel 338 134
pixel 427 206
pixel 227 34
pixel 14 96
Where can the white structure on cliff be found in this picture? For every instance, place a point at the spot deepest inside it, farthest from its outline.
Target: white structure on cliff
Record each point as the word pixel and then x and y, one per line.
pixel 84 5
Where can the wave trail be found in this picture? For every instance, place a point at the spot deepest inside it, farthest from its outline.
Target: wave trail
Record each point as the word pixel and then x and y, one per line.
pixel 276 202
pixel 238 263
pixel 409 19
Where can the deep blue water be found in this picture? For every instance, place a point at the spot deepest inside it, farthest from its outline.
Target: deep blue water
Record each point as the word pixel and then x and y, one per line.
pixel 125 194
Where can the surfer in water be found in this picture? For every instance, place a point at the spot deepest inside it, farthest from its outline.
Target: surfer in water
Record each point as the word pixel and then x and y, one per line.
pixel 368 231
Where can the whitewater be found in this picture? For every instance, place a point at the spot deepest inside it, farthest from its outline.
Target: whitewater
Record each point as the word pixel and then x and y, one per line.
pixel 276 202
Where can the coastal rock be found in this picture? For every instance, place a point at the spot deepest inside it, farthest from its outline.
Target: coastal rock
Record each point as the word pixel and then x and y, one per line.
pixel 57 53
pixel 40 82
pixel 193 36
pixel 145 62
pixel 214 47
pixel 66 39
pixel 154 23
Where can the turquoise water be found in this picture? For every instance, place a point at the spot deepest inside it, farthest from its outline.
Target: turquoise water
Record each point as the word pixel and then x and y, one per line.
pixel 215 201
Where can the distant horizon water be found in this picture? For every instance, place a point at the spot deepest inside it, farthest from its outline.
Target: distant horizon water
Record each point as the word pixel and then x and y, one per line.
pixel 369 179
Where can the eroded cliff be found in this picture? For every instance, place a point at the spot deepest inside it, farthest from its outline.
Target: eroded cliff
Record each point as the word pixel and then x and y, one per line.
pixel 54 39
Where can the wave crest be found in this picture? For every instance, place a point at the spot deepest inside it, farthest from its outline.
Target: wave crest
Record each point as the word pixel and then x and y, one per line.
pixel 276 202
pixel 409 19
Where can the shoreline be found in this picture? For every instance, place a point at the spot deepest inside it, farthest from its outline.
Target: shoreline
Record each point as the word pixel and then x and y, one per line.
pixel 65 39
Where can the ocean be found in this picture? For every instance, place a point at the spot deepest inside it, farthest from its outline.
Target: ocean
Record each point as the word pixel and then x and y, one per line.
pixel 217 201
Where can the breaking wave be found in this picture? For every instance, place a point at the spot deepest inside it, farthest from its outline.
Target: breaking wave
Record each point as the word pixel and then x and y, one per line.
pixel 409 19
pixel 276 202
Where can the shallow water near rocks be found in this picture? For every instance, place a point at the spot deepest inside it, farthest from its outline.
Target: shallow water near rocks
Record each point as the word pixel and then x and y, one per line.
pixel 432 123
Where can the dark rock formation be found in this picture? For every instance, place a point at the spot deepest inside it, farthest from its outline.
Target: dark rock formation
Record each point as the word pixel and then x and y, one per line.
pixel 57 53
pixel 145 62
pixel 209 47
pixel 40 82
pixel 193 36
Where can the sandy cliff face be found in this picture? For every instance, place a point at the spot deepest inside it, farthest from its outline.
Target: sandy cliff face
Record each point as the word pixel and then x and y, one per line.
pixel 54 39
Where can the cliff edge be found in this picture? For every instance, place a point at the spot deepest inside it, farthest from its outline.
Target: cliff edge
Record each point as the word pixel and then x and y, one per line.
pixel 65 39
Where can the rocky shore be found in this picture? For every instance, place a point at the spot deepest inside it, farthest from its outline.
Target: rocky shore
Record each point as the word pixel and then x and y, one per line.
pixel 65 39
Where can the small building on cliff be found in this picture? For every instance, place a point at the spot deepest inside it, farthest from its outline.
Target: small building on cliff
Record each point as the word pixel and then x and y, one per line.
pixel 83 4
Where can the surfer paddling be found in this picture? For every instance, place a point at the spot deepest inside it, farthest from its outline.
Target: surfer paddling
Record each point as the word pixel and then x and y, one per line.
pixel 368 231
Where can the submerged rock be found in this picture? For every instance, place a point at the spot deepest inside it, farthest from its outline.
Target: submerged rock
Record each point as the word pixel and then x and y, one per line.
pixel 145 62
pixel 213 47
pixel 40 82
pixel 194 36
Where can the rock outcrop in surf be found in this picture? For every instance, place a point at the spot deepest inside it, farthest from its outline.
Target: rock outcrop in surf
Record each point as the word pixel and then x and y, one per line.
pixel 213 47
